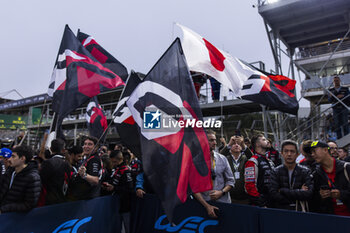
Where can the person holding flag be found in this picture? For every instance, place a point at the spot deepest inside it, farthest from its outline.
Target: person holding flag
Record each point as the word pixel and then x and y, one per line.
pixel 86 183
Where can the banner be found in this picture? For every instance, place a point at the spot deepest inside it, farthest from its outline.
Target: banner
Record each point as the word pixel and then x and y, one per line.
pixel 191 217
pixel 24 102
pixel 36 115
pixel 97 215
pixel 102 215
pixel 13 122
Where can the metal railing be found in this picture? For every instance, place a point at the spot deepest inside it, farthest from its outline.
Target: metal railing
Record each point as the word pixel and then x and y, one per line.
pixel 322 50
pixel 325 81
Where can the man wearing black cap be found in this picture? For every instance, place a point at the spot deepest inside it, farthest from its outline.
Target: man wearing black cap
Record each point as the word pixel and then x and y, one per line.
pixel 332 186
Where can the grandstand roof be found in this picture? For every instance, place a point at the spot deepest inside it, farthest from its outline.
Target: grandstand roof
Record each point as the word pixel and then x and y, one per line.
pixel 300 22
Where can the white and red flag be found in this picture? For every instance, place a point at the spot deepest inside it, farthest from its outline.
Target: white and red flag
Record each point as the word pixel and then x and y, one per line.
pixel 204 57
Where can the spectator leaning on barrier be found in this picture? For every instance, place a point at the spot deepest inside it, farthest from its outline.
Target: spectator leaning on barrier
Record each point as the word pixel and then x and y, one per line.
pixel 222 179
pixel 291 184
pixel 332 186
pixel 20 189
pixel 340 112
pixel 257 172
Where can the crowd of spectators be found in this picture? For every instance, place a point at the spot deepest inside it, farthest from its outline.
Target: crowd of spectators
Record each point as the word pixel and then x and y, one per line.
pixel 312 176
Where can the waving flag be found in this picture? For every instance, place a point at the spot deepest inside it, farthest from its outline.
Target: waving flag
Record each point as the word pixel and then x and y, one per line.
pixel 96 119
pixel 245 81
pixel 104 57
pixel 176 161
pixel 204 57
pixel 125 123
pixel 77 76
pixel 275 91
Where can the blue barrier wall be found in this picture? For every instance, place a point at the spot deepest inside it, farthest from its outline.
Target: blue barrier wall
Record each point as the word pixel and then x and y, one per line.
pixel 192 218
pixel 101 215
pixel 97 215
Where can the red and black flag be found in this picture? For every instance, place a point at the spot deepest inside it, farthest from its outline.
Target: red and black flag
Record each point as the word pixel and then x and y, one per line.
pixel 96 119
pixel 176 160
pixel 104 57
pixel 77 76
pixel 125 123
pixel 274 91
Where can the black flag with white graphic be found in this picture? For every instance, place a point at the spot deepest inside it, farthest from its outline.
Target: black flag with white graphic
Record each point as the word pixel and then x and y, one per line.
pixel 77 76
pixel 125 123
pixel 274 91
pixel 102 55
pixel 96 119
pixel 176 161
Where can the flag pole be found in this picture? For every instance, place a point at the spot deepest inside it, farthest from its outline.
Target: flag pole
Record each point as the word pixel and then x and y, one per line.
pixel 115 115
pixel 40 121
pixel 222 118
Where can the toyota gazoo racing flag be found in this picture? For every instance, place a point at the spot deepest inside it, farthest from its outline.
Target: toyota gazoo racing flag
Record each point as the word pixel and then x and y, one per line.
pixel 77 77
pixel 102 55
pixel 273 91
pixel 96 119
pixel 175 159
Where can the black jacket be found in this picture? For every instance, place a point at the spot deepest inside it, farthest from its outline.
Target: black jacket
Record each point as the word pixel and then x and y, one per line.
pixel 55 175
pixel 340 183
pixel 284 194
pixel 24 192
pixel 238 192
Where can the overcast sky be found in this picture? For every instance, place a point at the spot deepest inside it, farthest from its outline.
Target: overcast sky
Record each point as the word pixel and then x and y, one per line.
pixel 136 32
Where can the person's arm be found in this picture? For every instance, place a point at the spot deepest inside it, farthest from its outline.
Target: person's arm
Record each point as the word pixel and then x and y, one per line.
pixel 92 171
pixel 139 185
pixel 93 180
pixel 209 208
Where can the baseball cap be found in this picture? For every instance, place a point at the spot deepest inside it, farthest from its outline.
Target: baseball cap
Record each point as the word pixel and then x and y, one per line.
pixel 316 144
pixel 5 152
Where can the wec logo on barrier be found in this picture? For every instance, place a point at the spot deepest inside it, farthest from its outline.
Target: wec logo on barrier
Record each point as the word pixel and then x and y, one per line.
pixel 71 226
pixel 192 224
